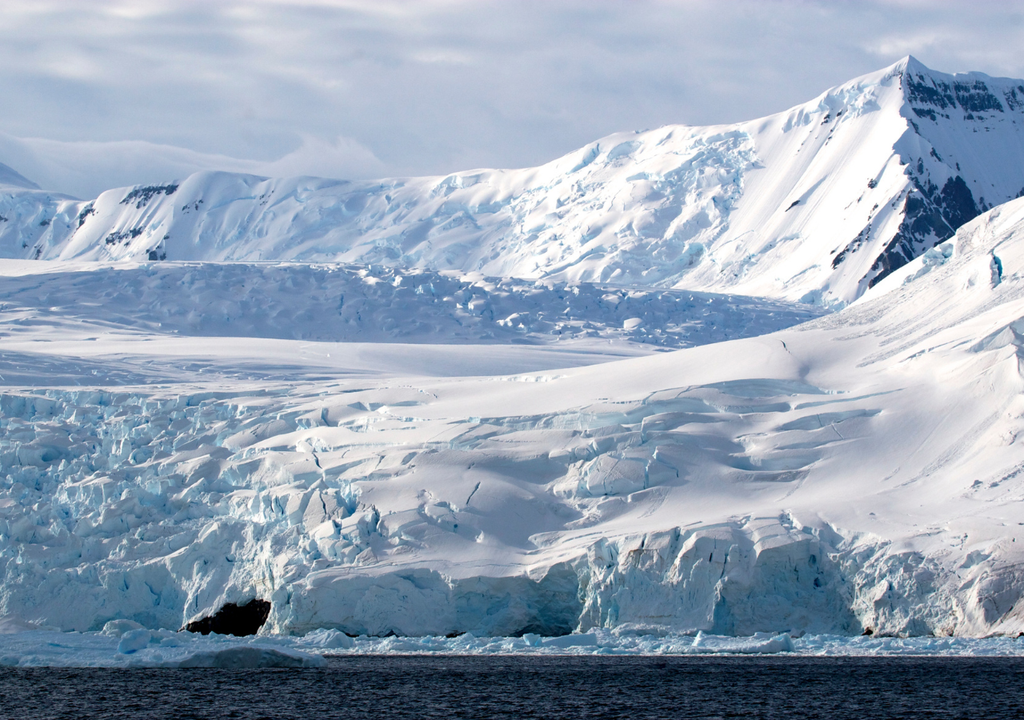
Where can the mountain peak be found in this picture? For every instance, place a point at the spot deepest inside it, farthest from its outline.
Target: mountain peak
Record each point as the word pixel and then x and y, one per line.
pixel 905 65
pixel 969 96
pixel 912 64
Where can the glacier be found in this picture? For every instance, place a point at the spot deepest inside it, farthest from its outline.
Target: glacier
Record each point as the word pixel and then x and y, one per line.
pixel 855 472
pixel 753 388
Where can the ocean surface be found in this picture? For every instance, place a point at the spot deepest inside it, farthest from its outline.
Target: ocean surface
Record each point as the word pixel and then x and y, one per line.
pixel 535 687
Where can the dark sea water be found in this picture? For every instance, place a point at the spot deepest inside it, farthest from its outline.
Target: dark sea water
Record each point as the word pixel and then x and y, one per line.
pixel 535 687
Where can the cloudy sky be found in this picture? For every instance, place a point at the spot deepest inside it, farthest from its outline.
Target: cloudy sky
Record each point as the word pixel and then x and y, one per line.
pixel 114 92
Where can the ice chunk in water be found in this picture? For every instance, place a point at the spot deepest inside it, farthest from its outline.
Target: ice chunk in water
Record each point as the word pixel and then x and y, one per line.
pixel 133 641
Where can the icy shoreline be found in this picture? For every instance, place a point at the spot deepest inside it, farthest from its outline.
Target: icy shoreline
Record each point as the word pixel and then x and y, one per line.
pixel 607 642
pixel 167 649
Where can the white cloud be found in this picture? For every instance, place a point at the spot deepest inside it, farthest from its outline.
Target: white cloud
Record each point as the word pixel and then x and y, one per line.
pixel 85 169
pixel 400 87
pixel 338 158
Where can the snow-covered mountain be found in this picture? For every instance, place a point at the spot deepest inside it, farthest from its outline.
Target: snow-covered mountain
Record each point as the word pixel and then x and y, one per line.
pixel 816 203
pixel 509 402
pixel 859 471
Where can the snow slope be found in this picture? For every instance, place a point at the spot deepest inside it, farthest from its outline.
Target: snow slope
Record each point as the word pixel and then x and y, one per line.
pixel 858 471
pixel 816 203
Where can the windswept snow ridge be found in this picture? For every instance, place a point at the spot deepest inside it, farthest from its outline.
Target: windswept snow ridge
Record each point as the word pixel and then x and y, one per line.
pixel 817 203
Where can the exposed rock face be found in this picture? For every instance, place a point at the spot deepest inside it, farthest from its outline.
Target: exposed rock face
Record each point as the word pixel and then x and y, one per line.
pixel 939 200
pixel 930 216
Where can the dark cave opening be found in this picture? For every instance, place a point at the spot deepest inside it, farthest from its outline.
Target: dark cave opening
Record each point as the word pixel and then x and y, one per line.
pixel 232 619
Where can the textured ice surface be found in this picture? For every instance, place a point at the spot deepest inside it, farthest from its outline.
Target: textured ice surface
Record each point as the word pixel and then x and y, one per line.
pixel 343 303
pixel 603 642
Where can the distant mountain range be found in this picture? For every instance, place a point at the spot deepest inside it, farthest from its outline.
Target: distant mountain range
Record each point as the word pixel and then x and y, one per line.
pixel 817 203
